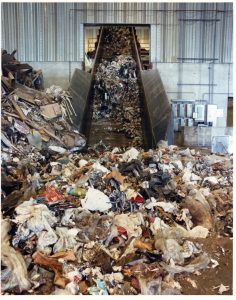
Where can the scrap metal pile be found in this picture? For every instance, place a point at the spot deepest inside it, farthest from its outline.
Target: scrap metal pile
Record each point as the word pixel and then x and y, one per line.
pixel 33 120
pixel 117 223
pixel 116 95
pixel 14 71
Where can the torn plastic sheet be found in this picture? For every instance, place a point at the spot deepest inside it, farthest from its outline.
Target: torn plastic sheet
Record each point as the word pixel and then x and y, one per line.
pixel 177 164
pixel 131 223
pixel 177 231
pixel 201 262
pixel 130 154
pixel 114 278
pixel 67 239
pixel 150 287
pixel 186 175
pixel 96 200
pixel 35 218
pixel 45 239
pixel 168 207
pixel 69 216
pixel 90 226
pixel 97 166
pixel 14 273
pixel 30 211
pixel 174 251
pixel 73 288
pixel 171 250
pixel 157 286
pixel 55 91
pixel 35 139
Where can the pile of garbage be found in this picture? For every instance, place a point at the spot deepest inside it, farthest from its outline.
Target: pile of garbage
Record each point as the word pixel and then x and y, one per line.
pixel 116 89
pixel 111 223
pixel 34 120
pixel 108 221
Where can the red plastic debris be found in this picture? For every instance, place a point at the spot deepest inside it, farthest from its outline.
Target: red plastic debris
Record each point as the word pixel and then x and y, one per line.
pixel 151 219
pixel 137 199
pixel 121 230
pixel 116 239
pixel 135 283
pixel 76 279
pixel 52 194
pixel 146 233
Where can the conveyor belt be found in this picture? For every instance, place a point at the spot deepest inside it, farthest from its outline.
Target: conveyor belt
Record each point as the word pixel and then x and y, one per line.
pixel 109 129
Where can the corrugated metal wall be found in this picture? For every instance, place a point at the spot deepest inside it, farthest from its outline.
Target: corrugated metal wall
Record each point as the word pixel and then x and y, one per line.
pixel 53 31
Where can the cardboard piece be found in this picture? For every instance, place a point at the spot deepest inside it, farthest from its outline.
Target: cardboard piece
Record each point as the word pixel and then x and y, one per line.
pixel 51 111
